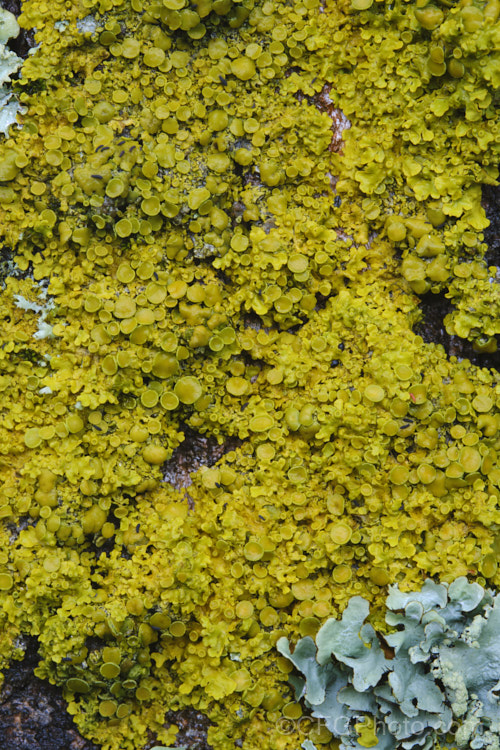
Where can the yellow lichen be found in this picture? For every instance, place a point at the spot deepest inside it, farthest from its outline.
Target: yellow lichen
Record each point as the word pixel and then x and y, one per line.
pixel 191 252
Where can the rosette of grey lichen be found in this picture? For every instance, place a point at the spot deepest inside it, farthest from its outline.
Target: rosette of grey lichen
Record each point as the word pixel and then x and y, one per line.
pixel 9 64
pixel 438 671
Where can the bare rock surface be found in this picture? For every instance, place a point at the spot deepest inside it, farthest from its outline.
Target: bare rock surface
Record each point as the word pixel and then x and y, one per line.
pixel 33 713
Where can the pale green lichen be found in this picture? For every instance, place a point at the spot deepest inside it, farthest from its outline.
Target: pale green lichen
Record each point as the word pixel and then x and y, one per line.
pixel 9 64
pixel 44 328
pixel 438 666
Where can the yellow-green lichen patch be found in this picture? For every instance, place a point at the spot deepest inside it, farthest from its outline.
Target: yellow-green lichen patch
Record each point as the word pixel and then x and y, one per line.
pixel 216 266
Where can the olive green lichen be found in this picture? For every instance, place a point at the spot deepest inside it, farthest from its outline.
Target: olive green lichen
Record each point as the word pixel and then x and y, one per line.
pixel 206 255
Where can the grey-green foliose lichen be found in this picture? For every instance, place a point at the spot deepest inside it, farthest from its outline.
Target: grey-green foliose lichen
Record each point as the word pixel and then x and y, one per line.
pixel 436 673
